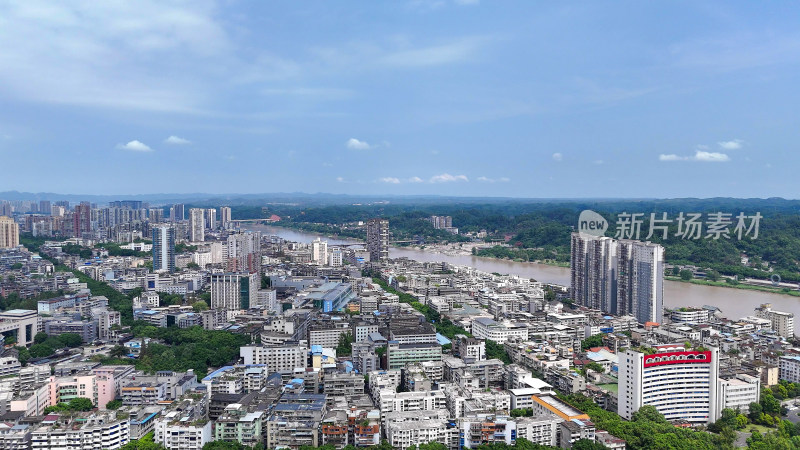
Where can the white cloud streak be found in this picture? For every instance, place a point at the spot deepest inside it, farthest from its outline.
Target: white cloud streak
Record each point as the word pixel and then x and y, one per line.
pixel 493 180
pixel 735 144
pixel 390 180
pixel 558 157
pixel 175 140
pixel 699 155
pixel 135 146
pixel 355 144
pixel 447 178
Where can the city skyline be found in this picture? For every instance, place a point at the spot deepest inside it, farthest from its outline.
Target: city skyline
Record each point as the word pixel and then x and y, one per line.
pixel 449 98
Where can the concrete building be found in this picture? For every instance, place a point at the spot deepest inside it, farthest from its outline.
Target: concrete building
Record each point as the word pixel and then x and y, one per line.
pixel 790 368
pixel 211 218
pixel 21 323
pixel 682 384
pixel 197 225
pixel 485 328
pixel 276 359
pixel 164 249
pixel 86 431
pixel 244 252
pixel 738 392
pixel 234 292
pixel 9 232
pixel 237 424
pixel 782 322
pixel 618 277
pixel 398 355
pixel 319 252
pixel 378 240
pixel 184 425
pixel 224 217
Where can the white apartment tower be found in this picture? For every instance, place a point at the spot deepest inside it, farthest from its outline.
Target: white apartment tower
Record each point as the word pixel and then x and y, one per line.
pixel 163 249
pixel 211 218
pixel 197 225
pixel 319 251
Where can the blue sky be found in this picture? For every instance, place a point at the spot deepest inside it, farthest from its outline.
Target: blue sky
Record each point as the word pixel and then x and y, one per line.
pixel 525 99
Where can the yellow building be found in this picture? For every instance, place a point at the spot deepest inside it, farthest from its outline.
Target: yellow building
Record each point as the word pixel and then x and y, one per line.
pixel 9 233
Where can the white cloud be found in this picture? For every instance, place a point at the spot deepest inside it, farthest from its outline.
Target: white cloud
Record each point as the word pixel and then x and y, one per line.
pixel 175 140
pixel 355 144
pixel 416 180
pixel 735 144
pixel 447 178
pixel 598 161
pixel 699 155
pixel 494 180
pixel 467 2
pixel 457 51
pixel 135 146
pixel 711 156
pixel 340 179
pixel 558 156
pixel 390 180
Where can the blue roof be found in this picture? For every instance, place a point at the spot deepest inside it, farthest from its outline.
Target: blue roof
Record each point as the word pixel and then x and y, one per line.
pixel 442 340
pixel 217 372
pixel 316 348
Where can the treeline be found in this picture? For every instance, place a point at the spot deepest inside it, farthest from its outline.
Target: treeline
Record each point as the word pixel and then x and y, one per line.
pixel 183 349
pixel 648 429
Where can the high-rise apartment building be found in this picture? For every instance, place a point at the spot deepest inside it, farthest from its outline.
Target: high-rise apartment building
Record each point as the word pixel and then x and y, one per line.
pixel 178 212
pixel 441 222
pixel 224 216
pixel 44 206
pixel 211 218
pixel 234 292
pixel 197 225
pixel 163 249
pixel 244 252
pixel 682 384
pixel 9 232
pixel 155 215
pixel 378 240
pixel 623 277
pixel 82 219
pixel 319 251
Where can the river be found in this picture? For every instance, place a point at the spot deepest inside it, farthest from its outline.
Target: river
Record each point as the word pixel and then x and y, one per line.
pixel 734 303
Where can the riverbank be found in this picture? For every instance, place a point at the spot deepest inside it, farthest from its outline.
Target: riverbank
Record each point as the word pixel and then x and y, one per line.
pixel 747 287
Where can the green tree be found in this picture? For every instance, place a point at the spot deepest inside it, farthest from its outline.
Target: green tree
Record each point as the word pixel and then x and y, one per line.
pixel 686 275
pixel 145 443
pixel 80 404
pixel 200 306
pixel 345 346
pixel 587 444
pixel 114 404
pixel 595 340
pixel 70 340
pixel 40 338
pixel 41 350
pixel 118 351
